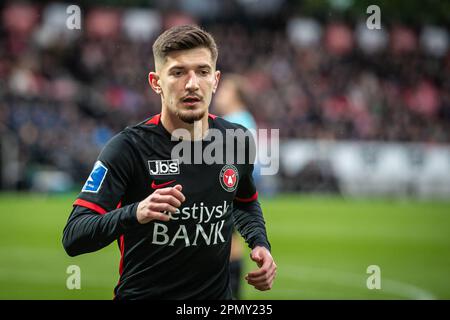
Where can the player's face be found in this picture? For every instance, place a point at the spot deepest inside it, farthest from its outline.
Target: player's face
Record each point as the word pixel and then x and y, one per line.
pixel 187 80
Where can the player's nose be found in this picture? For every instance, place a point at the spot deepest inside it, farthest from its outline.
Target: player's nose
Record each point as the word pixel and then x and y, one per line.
pixel 192 83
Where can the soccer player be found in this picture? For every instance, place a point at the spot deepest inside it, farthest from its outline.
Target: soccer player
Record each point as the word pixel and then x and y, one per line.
pixel 173 218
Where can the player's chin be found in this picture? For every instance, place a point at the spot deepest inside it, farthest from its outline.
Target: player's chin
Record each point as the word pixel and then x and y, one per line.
pixel 190 116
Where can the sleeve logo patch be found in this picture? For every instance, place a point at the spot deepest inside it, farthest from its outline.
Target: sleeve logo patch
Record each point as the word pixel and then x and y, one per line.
pixel 95 180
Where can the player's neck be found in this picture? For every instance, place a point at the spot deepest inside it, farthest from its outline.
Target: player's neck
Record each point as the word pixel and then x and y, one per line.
pixel 192 131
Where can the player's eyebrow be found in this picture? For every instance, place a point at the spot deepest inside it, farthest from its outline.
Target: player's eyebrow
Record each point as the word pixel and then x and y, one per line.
pixel 204 66
pixel 201 66
pixel 176 68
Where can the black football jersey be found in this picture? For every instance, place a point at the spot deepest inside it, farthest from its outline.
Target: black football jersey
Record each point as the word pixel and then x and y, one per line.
pixel 186 257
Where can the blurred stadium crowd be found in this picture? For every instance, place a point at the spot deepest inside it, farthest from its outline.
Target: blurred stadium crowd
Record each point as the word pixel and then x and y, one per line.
pixel 64 93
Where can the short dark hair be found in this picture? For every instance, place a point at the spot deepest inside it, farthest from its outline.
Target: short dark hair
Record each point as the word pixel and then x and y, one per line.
pixel 183 38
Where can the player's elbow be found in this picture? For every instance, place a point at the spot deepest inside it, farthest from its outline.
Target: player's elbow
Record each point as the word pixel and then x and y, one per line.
pixel 69 248
pixel 69 244
pixel 70 251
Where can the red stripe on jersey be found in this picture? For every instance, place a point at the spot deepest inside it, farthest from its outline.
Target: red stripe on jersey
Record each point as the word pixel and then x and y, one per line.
pixel 252 198
pixel 154 119
pixel 212 116
pixel 121 246
pixel 89 205
pixel 122 250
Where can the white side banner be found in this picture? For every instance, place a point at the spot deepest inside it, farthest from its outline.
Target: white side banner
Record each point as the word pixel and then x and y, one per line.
pixel 374 168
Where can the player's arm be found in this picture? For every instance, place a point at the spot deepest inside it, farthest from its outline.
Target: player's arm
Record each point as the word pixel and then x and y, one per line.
pixel 249 221
pixel 91 229
pixel 97 218
pixel 247 213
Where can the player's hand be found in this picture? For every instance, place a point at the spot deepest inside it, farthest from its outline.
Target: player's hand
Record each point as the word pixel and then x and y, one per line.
pixel 160 201
pixel 262 279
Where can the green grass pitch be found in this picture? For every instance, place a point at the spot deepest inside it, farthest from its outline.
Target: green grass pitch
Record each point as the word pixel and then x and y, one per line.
pixel 322 246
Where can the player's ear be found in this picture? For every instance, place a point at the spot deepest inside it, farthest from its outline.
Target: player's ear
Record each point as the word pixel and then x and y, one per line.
pixel 153 80
pixel 216 80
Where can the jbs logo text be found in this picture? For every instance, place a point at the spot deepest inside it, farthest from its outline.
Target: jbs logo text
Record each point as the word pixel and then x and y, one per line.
pixel 164 167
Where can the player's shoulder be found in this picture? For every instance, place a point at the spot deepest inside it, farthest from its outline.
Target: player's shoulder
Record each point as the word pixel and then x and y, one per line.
pixel 117 147
pixel 129 138
pixel 148 125
pixel 143 130
pixel 222 124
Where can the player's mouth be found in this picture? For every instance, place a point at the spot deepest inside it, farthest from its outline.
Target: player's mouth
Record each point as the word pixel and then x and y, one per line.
pixel 191 101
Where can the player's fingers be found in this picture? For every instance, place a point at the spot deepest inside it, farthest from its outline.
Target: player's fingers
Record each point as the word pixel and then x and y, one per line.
pixel 263 270
pixel 178 194
pixel 263 282
pixel 163 190
pixel 154 215
pixel 174 192
pixel 264 287
pixel 167 199
pixel 262 278
pixel 161 207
